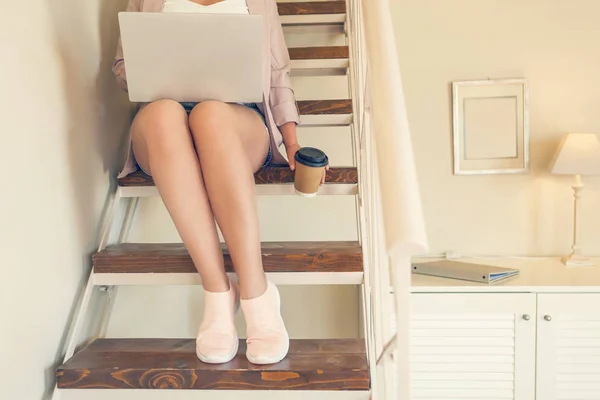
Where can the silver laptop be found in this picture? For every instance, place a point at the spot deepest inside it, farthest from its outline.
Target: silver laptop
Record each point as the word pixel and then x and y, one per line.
pixel 192 57
pixel 465 271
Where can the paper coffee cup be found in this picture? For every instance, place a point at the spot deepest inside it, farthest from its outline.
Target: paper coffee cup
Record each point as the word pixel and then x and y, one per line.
pixel 310 166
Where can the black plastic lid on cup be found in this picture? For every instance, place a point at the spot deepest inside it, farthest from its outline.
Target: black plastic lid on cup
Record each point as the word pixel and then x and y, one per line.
pixel 311 157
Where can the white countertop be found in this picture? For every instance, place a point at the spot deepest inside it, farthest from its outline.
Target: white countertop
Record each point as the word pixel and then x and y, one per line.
pixel 547 275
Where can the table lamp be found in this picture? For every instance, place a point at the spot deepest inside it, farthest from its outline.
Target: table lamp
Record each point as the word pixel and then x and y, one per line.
pixel 578 154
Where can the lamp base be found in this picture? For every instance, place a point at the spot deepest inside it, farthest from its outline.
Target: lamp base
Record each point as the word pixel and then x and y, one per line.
pixel 577 261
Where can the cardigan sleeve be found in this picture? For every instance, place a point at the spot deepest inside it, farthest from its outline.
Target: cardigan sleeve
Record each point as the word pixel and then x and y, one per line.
pixel 119 65
pixel 281 96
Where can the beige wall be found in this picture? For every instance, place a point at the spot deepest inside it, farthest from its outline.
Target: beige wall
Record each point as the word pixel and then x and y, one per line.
pixel 60 125
pixel 552 43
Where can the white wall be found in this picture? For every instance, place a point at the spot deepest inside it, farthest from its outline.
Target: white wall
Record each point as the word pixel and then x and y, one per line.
pixel 552 43
pixel 61 121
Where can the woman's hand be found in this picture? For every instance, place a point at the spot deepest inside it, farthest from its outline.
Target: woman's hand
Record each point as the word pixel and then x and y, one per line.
pixel 291 152
pixel 324 175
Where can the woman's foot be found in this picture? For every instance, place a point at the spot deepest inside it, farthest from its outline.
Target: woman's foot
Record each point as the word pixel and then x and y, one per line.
pixel 217 340
pixel 268 341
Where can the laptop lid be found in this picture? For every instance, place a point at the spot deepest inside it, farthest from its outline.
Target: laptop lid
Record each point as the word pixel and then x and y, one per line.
pixel 192 57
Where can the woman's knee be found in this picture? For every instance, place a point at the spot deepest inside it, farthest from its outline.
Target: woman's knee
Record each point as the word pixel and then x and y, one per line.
pixel 161 120
pixel 209 117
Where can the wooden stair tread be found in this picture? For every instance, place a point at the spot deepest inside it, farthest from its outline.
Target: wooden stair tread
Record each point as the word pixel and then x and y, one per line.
pixel 277 257
pixel 268 175
pixel 320 107
pixel 312 8
pixel 331 364
pixel 318 53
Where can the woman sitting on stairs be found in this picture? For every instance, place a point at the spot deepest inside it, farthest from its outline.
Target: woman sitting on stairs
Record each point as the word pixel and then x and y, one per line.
pixel 202 157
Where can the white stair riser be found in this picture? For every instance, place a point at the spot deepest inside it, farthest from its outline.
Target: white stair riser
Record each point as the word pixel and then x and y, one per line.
pixel 313 19
pixel 320 63
pixel 139 394
pixel 261 190
pixel 278 278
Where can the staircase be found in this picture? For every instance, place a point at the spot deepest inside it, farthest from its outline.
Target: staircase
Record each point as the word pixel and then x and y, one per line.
pixel 319 369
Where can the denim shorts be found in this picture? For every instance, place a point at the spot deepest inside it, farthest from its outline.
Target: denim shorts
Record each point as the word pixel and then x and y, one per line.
pixel 189 106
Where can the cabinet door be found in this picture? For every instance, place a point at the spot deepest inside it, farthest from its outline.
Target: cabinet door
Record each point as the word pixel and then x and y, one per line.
pixel 568 352
pixel 473 346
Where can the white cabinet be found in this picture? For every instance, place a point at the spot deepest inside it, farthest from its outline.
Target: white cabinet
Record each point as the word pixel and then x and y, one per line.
pixel 473 346
pixel 568 347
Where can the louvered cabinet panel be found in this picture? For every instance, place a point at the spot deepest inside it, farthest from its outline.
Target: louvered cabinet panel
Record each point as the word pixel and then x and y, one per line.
pixel 473 346
pixel 568 353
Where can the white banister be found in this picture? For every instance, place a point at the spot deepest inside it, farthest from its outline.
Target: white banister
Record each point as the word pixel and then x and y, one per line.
pixel 393 199
pixel 403 217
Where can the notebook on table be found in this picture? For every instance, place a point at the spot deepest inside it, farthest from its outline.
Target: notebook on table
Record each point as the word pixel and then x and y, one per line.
pixel 465 271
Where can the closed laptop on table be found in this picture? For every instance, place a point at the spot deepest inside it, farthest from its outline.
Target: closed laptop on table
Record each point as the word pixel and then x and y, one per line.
pixel 464 271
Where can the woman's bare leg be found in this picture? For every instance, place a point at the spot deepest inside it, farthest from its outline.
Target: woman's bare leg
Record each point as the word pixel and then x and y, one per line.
pixel 232 143
pixel 163 146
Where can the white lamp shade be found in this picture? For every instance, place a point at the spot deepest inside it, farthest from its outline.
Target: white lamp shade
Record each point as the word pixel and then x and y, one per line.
pixel 578 154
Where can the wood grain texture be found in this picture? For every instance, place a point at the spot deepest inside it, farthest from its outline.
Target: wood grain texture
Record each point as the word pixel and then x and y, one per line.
pixel 325 107
pixel 318 53
pixel 268 175
pixel 335 175
pixel 332 364
pixel 311 8
pixel 277 257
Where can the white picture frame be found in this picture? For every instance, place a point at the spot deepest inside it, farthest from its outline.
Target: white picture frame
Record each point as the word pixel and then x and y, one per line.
pixel 490 127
